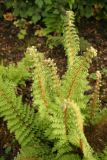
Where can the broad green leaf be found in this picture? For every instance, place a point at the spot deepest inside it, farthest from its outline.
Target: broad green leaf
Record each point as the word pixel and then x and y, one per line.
pixel 89 11
pixel 39 3
pixel 55 11
pixel 49 7
pixel 23 31
pixel 9 4
pixel 2 158
pixel 48 1
pixel 30 11
pixel 20 36
pixel 8 149
pixel 36 18
pixel 93 76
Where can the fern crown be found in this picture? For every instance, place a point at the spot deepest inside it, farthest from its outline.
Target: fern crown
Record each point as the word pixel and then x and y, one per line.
pixel 56 130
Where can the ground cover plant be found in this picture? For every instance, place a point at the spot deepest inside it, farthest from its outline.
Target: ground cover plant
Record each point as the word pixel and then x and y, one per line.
pixel 95 8
pixel 50 11
pixel 54 127
pixel 53 11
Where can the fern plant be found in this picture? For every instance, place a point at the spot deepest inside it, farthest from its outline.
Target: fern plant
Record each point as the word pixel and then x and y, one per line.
pixel 54 128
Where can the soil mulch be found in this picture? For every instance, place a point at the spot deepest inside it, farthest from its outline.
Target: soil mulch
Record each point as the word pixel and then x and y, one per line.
pixel 12 51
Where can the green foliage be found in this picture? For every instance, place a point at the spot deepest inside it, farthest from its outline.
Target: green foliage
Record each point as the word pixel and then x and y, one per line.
pixel 8 3
pixel 8 150
pixel 101 11
pixel 88 9
pixel 101 14
pixel 104 71
pixel 2 158
pixel 93 76
pixel 22 24
pixel 55 41
pixel 55 131
pixel 22 34
pixel 84 44
pixel 52 11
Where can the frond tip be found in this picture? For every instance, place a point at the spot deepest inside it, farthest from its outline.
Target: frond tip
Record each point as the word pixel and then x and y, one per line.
pixel 94 51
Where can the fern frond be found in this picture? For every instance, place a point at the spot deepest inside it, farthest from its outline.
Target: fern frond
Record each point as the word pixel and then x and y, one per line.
pixel 75 84
pixel 71 40
pixel 35 152
pixel 45 79
pixel 59 40
pixel 78 122
pixel 17 75
pixel 53 23
pixel 13 111
pixel 94 115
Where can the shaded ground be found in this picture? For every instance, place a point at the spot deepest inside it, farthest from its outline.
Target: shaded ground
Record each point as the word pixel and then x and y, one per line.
pixel 12 50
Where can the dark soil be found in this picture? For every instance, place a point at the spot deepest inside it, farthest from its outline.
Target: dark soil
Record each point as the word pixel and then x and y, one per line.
pixel 12 50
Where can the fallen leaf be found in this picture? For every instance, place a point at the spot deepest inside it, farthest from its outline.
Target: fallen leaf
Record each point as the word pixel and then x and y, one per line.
pixel 39 32
pixel 8 16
